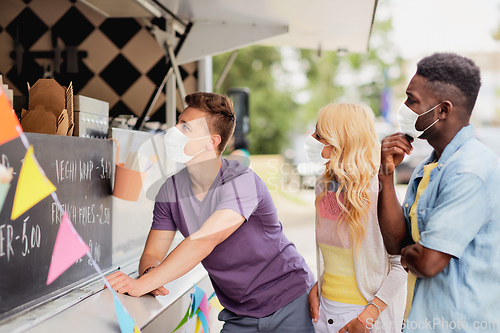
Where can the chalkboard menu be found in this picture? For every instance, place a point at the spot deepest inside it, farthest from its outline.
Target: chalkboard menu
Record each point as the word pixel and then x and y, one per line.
pixel 81 169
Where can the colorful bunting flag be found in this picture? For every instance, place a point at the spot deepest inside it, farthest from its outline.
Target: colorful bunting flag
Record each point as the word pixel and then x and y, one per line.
pixel 198 306
pixel 197 296
pixel 127 324
pixel 204 321
pixel 9 126
pixel 204 306
pixel 32 185
pixel 198 325
pixel 187 316
pixel 69 247
pixel 203 312
pixel 214 302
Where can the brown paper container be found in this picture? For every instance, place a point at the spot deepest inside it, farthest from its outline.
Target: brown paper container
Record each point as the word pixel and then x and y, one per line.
pixel 70 109
pixel 39 121
pixel 50 94
pixel 62 124
pixel 24 112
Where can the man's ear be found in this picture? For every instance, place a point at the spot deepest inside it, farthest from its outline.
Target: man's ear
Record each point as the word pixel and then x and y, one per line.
pixel 214 142
pixel 445 109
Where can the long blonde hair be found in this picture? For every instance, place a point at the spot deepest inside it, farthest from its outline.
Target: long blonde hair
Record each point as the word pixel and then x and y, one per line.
pixel 354 161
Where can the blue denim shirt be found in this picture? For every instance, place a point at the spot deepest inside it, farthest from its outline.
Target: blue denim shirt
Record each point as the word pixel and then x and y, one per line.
pixel 459 214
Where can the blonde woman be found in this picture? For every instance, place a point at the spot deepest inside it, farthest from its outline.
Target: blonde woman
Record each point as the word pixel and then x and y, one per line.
pixel 360 287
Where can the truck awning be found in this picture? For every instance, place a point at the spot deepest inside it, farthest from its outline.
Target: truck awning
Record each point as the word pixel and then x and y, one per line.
pixel 223 25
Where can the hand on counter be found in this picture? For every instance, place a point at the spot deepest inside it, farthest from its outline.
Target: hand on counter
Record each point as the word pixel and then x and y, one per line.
pixel 162 291
pixel 189 253
pixel 124 284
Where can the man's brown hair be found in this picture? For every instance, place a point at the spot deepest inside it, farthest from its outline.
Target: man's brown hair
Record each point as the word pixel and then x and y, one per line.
pixel 222 119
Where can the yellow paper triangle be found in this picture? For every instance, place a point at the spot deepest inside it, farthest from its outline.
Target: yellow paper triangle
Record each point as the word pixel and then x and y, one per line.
pixel 198 325
pixel 214 301
pixel 136 329
pixel 32 186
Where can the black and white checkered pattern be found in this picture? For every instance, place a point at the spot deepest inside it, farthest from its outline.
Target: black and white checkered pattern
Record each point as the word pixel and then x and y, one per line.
pixel 123 63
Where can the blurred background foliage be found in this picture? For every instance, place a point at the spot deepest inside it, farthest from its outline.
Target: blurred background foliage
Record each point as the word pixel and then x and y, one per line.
pixel 281 108
pixel 272 111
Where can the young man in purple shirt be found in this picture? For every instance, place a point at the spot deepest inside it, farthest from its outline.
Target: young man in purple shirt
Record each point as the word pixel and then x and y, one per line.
pixel 230 224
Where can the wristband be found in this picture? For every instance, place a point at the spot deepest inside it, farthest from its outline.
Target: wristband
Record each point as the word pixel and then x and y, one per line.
pixel 378 308
pixel 371 314
pixel 148 269
pixel 364 324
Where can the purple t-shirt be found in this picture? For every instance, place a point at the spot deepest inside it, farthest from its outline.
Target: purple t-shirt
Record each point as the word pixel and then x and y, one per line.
pixel 256 270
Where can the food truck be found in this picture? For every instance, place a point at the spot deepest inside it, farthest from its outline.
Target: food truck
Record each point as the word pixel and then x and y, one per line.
pixel 71 66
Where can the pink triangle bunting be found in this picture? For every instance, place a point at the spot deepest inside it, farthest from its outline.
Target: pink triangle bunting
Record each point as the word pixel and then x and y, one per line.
pixel 69 247
pixel 204 307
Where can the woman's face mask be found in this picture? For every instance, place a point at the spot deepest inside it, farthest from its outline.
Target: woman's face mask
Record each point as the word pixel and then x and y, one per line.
pixel 407 119
pixel 313 149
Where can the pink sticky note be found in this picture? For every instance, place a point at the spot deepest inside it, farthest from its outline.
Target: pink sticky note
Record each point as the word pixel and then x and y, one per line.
pixel 69 247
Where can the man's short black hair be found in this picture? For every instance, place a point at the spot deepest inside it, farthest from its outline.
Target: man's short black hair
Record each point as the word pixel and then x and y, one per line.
pixel 455 70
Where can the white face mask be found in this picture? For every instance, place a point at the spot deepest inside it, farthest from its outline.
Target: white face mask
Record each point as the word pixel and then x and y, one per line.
pixel 175 142
pixel 313 149
pixel 407 119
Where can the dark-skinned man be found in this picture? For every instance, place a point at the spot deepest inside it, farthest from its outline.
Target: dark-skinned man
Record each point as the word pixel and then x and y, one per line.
pixel 448 227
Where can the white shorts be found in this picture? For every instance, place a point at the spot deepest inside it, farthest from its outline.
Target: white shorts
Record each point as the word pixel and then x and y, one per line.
pixel 334 315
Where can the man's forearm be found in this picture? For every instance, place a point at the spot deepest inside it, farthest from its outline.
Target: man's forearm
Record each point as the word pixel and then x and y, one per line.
pixel 156 248
pixel 147 261
pixel 390 216
pixel 413 258
pixel 191 251
pixel 181 260
pixel 424 262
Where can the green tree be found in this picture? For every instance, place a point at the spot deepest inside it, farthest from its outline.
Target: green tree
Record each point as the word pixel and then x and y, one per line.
pixel 275 115
pixel 335 76
pixel 272 110
pixel 321 71
pixel 384 63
